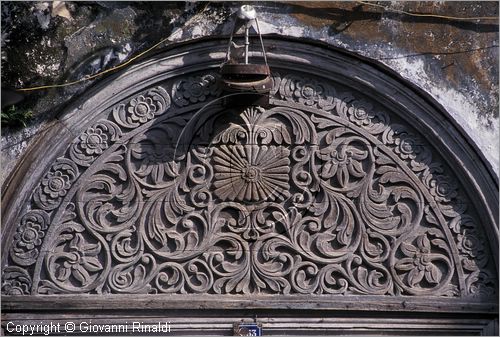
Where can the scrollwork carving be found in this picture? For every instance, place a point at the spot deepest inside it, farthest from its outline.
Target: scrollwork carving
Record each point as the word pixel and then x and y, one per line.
pixel 320 193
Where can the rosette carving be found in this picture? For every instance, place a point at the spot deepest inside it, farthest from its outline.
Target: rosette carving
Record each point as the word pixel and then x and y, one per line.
pixel 93 142
pixel 29 236
pixel 56 184
pixel 251 173
pixel 195 89
pixel 307 91
pixel 142 108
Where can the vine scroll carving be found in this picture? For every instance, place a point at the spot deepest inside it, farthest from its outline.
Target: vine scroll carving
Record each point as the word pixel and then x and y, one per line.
pixel 320 193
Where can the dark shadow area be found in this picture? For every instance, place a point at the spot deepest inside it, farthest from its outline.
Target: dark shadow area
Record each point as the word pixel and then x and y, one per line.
pixel 440 53
pixel 361 12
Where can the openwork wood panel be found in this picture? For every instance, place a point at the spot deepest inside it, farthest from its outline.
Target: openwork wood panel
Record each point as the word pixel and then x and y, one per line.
pixel 322 192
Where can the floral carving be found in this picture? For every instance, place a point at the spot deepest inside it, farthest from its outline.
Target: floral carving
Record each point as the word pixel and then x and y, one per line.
pixel 195 89
pixel 360 114
pixel 28 237
pixel 142 108
pixel 426 264
pixel 307 91
pixel 154 160
pixel 469 243
pixel 93 142
pixel 210 212
pixel 30 233
pixel 251 172
pixel 16 281
pixel 418 262
pixel 56 184
pixel 80 261
pixel 73 261
pixel 342 162
pixel 443 188
pixel 407 146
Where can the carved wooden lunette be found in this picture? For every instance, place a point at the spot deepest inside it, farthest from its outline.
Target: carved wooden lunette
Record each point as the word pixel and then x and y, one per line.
pixel 325 192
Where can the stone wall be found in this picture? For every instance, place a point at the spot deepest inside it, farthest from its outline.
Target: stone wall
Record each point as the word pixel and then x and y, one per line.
pixel 455 61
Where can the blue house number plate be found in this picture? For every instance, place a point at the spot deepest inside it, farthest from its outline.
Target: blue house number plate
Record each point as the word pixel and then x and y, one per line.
pixel 247 329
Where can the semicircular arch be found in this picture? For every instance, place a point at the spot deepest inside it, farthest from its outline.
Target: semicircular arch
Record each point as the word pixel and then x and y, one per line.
pixel 351 181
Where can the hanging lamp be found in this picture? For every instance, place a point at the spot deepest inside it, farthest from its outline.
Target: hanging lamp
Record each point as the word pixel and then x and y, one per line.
pixel 238 74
